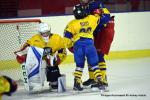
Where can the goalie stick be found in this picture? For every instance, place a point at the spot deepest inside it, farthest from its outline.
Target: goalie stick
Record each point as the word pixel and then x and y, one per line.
pixel 23 67
pixel 25 77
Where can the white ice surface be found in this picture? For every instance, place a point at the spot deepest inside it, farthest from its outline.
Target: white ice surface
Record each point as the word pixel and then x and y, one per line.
pixel 128 80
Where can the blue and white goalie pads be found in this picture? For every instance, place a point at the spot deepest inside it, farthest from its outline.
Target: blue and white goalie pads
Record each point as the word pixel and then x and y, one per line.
pixel 33 71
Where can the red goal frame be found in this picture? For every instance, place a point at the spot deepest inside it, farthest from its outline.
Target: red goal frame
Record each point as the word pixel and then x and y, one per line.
pixel 19 20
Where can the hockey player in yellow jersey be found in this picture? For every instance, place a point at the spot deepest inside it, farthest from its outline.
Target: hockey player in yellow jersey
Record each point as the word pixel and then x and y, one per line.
pixel 79 34
pixel 83 27
pixel 7 86
pixel 50 42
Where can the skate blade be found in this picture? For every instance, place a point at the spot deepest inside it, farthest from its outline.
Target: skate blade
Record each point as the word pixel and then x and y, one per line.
pixel 106 90
pixel 97 90
pixel 87 87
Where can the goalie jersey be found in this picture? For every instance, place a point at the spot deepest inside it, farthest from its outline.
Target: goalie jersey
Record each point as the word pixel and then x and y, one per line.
pixel 55 42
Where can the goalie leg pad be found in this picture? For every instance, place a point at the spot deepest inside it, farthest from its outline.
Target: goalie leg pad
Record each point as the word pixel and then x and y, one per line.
pixel 62 83
pixel 52 73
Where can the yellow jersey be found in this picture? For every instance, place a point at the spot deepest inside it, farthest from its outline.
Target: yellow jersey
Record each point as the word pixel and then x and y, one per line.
pixel 37 40
pixel 83 27
pixel 4 86
pixel 55 42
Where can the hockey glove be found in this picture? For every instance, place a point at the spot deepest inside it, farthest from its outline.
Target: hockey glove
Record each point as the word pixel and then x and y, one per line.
pixel 71 49
pixel 21 59
pixel 98 11
pixel 47 51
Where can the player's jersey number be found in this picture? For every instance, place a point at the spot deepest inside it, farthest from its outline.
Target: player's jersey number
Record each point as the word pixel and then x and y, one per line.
pixel 85 30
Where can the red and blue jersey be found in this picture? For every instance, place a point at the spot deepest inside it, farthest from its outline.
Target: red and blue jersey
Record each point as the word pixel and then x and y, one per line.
pixel 105 17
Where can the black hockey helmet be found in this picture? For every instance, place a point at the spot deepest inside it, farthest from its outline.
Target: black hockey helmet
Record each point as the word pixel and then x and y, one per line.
pixel 79 11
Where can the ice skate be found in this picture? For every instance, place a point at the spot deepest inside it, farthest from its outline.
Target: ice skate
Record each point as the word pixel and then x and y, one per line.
pixel 98 86
pixel 106 86
pixel 89 82
pixel 78 84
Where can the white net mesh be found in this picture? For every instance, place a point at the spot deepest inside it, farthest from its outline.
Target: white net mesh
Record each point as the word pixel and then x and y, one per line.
pixel 12 36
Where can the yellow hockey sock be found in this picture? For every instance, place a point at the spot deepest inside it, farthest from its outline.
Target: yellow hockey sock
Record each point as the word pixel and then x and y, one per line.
pixel 78 73
pixel 91 75
pixel 102 66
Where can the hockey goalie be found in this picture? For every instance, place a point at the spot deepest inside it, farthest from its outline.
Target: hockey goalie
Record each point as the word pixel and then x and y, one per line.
pixel 39 58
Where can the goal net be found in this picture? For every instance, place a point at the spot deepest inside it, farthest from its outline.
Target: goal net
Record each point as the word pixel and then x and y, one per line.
pixel 13 33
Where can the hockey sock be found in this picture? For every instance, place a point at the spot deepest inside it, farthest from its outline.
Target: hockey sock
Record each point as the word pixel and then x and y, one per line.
pixel 91 75
pixel 77 80
pixel 96 73
pixel 78 72
pixel 102 66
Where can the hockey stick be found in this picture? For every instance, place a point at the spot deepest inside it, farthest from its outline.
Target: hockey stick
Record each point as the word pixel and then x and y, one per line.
pixel 23 67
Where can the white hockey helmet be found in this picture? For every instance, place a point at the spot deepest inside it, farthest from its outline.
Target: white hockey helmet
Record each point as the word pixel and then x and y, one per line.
pixel 44 28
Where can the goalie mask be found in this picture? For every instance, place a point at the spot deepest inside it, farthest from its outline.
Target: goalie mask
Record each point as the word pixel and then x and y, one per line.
pixel 44 29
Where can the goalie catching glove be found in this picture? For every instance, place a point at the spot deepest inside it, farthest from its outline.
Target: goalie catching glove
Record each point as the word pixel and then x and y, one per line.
pixel 22 53
pixel 21 59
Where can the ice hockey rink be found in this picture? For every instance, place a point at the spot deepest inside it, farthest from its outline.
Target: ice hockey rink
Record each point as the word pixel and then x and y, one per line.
pixel 129 79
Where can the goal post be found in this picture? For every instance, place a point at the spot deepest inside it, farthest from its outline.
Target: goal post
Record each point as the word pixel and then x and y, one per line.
pixel 13 33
